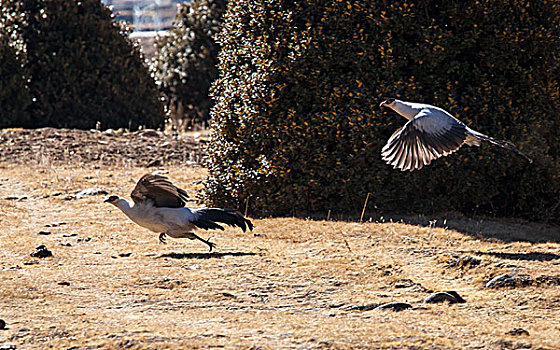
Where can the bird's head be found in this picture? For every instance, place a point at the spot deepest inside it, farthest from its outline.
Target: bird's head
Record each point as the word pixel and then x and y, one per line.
pixel 387 103
pixel 112 200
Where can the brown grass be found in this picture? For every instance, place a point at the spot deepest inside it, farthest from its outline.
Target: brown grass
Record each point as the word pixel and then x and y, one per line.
pixel 294 287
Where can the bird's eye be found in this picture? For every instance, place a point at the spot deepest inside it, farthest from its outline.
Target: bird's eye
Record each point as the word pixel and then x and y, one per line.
pixel 389 100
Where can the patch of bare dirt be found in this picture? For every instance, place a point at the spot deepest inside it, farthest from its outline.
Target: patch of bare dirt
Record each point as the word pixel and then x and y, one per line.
pixel 145 148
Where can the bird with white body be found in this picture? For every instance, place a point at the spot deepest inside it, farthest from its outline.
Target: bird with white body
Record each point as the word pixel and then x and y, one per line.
pixel 159 206
pixel 430 133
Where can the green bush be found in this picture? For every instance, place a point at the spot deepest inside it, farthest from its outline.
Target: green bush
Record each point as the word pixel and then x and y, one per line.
pixel 186 59
pixel 14 95
pixel 297 123
pixel 81 67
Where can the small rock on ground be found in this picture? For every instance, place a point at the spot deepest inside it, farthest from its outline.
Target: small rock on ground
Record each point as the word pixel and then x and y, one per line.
pixel 451 296
pixel 31 262
pixel 8 347
pixel 41 252
pixel 548 280
pixel 395 306
pixel 464 262
pixel 509 280
pixel 517 331
pixel 91 192
pixel 55 224
pixel 361 307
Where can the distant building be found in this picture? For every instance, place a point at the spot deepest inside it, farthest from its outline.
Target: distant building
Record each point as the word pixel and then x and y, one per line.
pixel 145 15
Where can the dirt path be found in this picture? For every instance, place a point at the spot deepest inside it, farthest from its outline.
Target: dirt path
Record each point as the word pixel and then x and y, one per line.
pixel 147 148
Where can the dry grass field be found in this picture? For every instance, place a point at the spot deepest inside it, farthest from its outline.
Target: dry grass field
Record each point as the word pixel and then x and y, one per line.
pixel 292 283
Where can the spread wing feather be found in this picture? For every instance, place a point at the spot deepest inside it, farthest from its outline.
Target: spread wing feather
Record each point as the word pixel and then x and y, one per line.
pixel 160 190
pixel 430 135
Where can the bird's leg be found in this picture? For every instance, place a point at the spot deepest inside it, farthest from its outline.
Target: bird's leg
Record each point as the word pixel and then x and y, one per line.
pixel 162 238
pixel 207 241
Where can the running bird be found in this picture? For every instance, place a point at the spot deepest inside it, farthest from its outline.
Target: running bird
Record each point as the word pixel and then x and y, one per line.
pixel 159 206
pixel 430 133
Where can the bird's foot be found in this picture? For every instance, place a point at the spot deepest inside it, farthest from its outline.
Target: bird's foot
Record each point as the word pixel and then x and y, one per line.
pixel 210 244
pixel 207 241
pixel 162 238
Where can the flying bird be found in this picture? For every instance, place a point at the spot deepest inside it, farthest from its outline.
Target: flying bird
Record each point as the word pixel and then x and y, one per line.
pixel 430 133
pixel 159 206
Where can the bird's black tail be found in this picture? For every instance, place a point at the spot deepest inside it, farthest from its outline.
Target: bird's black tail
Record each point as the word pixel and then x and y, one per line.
pixel 208 218
pixel 504 144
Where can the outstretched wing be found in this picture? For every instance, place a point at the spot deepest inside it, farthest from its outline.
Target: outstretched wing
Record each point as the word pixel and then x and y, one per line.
pixel 160 190
pixel 430 135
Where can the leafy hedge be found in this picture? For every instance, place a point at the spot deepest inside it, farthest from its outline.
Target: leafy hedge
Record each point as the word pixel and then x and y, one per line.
pixel 14 95
pixel 298 127
pixel 80 66
pixel 186 58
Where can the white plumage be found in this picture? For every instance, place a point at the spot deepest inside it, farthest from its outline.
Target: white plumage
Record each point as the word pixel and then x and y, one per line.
pixel 159 206
pixel 430 133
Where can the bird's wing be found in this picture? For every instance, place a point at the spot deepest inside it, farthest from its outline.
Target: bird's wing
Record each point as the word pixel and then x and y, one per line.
pixel 160 190
pixel 430 135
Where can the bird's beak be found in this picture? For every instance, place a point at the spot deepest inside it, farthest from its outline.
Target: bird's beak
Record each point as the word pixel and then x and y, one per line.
pixel 382 104
pixel 107 201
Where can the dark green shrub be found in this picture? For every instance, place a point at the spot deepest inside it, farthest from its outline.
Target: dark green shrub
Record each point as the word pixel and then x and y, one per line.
pixel 14 95
pixel 186 59
pixel 81 66
pixel 298 127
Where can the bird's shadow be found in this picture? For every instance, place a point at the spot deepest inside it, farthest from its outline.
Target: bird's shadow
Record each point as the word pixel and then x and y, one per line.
pixel 533 256
pixel 209 255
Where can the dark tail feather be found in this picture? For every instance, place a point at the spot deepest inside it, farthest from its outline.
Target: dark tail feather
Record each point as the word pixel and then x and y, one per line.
pixel 504 144
pixel 208 218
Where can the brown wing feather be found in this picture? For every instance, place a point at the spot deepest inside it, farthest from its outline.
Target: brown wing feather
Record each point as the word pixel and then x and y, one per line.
pixel 160 190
